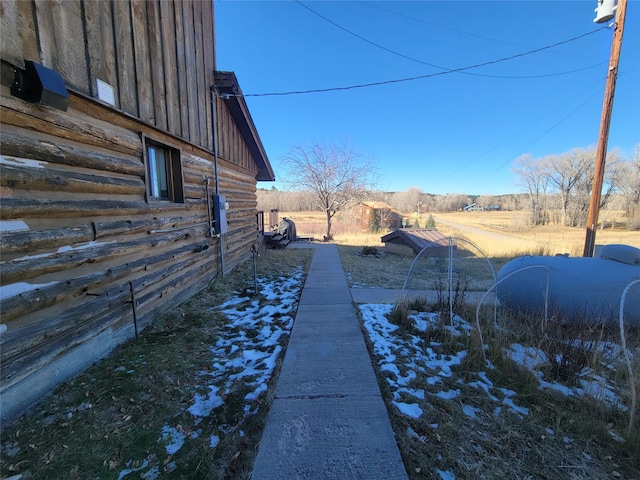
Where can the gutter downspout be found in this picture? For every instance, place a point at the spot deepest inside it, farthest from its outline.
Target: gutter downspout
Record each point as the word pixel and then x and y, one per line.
pixel 214 123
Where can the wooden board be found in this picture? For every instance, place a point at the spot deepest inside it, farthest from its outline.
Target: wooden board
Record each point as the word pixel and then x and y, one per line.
pixel 125 61
pixel 100 44
pixel 193 131
pixel 181 70
pixel 159 97
pixel 142 59
pixel 170 73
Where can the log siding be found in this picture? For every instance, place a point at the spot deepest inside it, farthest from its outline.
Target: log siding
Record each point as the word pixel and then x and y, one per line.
pixel 87 260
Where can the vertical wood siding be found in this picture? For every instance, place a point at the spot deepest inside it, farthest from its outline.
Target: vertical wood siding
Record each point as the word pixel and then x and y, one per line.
pixel 171 83
pixel 230 143
pixel 142 62
pixel 156 41
pixel 158 56
pixel 94 261
pixel 101 47
pixel 125 88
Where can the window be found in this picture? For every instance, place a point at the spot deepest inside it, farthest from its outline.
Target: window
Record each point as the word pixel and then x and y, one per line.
pixel 158 172
pixel 164 173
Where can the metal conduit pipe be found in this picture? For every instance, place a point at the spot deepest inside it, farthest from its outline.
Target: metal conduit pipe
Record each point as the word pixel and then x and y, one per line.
pixel 208 194
pixel 214 126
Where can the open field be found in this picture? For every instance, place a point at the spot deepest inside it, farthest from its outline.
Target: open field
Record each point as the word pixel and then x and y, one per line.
pixel 498 234
pixel 425 273
pixel 551 239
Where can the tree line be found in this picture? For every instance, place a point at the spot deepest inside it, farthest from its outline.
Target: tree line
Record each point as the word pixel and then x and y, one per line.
pixel 413 200
pixel 558 187
pixel 555 189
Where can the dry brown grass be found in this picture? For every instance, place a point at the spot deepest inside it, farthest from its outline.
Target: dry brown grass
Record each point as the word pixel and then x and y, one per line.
pixel 517 235
pixel 312 225
pixel 525 237
pixel 425 273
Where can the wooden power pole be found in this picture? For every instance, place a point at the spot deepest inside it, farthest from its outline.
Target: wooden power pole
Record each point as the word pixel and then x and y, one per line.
pixel 603 138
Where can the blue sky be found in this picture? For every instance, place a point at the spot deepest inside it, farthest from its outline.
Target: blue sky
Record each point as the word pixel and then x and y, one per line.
pixel 450 133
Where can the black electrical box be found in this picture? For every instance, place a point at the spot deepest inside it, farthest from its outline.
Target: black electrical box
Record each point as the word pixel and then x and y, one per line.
pixel 39 84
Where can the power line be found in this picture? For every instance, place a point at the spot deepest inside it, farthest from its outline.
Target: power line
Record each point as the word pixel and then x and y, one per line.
pixel 394 52
pixel 365 39
pixel 529 125
pixel 420 77
pixel 444 27
pixel 553 127
pixel 374 5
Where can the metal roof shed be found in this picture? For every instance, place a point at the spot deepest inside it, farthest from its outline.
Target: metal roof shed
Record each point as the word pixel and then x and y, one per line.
pixel 409 241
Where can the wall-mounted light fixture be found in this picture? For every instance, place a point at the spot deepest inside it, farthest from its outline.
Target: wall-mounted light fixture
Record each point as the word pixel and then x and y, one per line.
pixel 39 84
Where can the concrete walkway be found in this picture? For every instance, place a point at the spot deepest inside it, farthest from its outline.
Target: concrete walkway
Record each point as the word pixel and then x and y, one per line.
pixel 328 419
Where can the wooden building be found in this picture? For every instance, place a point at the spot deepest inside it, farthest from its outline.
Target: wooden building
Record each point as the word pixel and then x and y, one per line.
pixel 116 200
pixel 378 215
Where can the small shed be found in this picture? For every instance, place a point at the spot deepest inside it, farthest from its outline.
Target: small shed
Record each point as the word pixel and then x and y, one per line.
pixel 412 241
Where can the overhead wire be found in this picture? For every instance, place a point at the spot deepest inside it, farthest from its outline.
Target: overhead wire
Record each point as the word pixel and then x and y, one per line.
pixel 446 71
pixel 451 29
pixel 535 140
pixel 553 127
pixel 475 159
pixel 440 67
pixel 377 45
pixel 420 77
pixel 444 27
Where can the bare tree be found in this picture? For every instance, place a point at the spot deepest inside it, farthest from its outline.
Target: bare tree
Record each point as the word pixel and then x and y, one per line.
pixel 534 178
pixel 336 175
pixel 630 187
pixel 428 202
pixel 284 200
pixel 452 202
pixel 579 205
pixel 407 201
pixel 634 177
pixel 414 197
pixel 565 171
pixel 570 176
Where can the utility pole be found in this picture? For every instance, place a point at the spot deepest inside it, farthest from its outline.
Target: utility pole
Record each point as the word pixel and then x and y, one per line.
pixel 605 121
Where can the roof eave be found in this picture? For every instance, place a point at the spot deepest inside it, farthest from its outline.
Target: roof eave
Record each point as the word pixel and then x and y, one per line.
pixel 227 85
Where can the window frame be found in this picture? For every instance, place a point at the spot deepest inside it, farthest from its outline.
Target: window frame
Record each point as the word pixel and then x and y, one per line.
pixel 173 170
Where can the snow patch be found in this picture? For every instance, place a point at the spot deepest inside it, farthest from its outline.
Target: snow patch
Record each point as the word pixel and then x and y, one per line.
pixel 7 226
pixel 11 290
